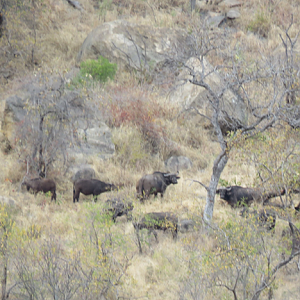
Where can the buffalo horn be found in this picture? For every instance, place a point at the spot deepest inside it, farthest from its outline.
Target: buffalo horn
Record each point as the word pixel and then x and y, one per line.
pixel 168 174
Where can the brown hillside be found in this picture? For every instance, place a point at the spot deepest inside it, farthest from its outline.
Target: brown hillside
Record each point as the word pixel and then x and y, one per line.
pixel 67 250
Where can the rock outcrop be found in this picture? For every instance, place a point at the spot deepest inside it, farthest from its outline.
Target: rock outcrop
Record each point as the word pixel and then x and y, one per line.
pixel 132 46
pixel 91 136
pixel 82 172
pixel 178 163
pixel 191 95
pixel 140 47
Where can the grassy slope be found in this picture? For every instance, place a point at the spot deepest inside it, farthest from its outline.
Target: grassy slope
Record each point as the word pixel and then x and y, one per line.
pixel 157 273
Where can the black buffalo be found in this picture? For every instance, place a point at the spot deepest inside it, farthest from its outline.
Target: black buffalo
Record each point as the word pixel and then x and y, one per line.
pixel 91 187
pixel 117 208
pixel 155 183
pixel 264 217
pixel 239 196
pixel 160 221
pixel 41 185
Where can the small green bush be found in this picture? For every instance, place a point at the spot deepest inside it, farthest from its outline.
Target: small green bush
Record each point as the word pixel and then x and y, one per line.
pixel 99 70
pixel 260 25
pixel 92 71
pixel 224 182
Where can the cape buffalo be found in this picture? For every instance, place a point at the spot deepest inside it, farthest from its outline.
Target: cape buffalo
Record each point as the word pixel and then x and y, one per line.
pixel 264 217
pixel 160 221
pixel 91 187
pixel 41 185
pixel 154 183
pixel 239 196
pixel 119 208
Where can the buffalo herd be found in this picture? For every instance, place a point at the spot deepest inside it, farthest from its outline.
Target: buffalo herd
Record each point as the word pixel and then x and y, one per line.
pixel 154 184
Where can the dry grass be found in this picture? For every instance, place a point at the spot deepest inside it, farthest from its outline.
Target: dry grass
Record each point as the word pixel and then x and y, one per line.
pixel 273 12
pixel 162 265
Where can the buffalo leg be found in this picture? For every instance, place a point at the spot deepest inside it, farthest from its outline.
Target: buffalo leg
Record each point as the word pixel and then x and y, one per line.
pixel 146 195
pixel 76 197
pixel 175 232
pixel 155 234
pixel 114 218
pixel 73 194
pixel 53 196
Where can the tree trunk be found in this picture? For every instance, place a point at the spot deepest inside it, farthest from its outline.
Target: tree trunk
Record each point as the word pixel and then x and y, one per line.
pixel 220 162
pixel 218 168
pixel 4 281
pixel 2 17
pixel 41 170
pixel 193 4
pixel 5 260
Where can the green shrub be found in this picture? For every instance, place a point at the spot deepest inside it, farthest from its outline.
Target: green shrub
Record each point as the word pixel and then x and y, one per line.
pixel 92 71
pixel 224 182
pixel 99 70
pixel 260 25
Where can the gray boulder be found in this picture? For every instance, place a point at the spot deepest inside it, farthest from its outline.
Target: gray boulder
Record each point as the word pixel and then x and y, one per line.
pixel 7 201
pixel 95 140
pixel 12 112
pixel 215 21
pixel 82 172
pixel 132 46
pixel 177 163
pixel 233 14
pixel 191 95
pixel 15 107
pixel 93 136
pixel 231 3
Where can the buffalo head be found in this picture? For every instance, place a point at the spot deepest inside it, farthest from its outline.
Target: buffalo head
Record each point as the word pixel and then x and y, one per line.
pixel 171 177
pixel 223 191
pixel 111 187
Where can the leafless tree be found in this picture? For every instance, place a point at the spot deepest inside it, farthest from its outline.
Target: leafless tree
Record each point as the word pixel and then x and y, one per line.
pixel 247 268
pixel 50 124
pixel 261 87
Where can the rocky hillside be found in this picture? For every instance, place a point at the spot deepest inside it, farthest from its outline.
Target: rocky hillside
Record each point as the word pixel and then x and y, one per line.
pixel 206 92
